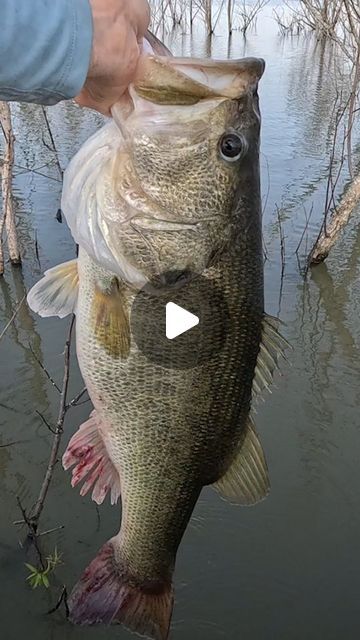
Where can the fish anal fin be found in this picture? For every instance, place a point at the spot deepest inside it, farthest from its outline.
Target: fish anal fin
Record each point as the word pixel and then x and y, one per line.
pixel 56 293
pixel 111 320
pixel 86 450
pixel 246 481
pixel 273 346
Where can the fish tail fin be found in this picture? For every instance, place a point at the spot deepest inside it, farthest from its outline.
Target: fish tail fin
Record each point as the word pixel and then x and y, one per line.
pixel 107 593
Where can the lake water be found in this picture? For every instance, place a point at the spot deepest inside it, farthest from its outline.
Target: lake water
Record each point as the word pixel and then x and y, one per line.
pixel 289 568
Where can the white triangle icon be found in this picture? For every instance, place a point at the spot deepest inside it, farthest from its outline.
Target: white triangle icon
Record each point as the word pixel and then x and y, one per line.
pixel 178 320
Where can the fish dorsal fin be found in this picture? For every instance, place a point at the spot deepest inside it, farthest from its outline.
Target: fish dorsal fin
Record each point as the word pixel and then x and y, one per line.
pixel 272 347
pixel 56 293
pixel 246 482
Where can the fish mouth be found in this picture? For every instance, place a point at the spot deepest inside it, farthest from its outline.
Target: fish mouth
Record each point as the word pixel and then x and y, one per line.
pixel 185 81
pixel 178 82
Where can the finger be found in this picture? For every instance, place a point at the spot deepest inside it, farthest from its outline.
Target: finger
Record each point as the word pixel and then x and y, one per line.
pixel 84 99
pixel 142 17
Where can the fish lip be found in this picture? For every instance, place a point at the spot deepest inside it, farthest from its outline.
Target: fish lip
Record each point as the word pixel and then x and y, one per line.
pixel 263 64
pixel 155 72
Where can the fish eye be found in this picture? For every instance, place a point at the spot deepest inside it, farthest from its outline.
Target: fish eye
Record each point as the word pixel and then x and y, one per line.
pixel 232 146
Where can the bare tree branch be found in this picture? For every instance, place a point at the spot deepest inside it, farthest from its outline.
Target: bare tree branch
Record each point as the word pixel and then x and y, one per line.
pixel 36 513
pixel 8 216
pixel 16 311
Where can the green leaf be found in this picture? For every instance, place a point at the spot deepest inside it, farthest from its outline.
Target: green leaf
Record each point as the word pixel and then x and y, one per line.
pixel 45 580
pixel 37 581
pixel 31 577
pixel 31 568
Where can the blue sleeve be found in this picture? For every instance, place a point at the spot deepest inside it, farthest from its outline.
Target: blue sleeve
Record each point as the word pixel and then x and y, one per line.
pixel 45 49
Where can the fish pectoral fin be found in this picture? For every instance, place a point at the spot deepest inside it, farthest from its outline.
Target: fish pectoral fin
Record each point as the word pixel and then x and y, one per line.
pixel 246 482
pixel 86 450
pixel 110 320
pixel 56 293
pixel 273 346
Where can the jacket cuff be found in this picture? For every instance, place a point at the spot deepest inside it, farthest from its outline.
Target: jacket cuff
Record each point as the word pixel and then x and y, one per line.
pixel 79 52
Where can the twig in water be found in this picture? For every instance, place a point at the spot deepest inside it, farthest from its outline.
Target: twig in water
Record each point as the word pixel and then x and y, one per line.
pixel 31 537
pixel 7 219
pixel 32 519
pixel 75 401
pixel 12 317
pixel 37 250
pixel 283 256
pixel 62 598
pixel 45 533
pixel 11 444
pixel 8 408
pixel 36 513
pixel 53 145
pixel 36 172
pixel 307 220
pixel 45 421
pixel 44 369
pixel 23 512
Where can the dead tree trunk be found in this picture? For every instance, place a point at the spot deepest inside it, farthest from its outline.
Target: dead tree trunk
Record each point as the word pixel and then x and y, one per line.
pixel 331 231
pixel 230 10
pixel 208 17
pixel 7 218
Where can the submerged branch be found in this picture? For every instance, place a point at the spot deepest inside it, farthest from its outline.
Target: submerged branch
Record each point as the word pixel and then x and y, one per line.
pixel 52 146
pixel 62 598
pixel 7 219
pixel 17 309
pixel 32 518
pixel 49 377
pixel 76 400
pixel 339 219
pixel 283 256
pixel 36 513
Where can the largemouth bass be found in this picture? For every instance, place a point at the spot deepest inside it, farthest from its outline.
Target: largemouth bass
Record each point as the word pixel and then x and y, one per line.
pixel 172 185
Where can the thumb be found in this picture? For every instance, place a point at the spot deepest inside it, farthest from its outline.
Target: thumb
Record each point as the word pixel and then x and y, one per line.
pixel 87 99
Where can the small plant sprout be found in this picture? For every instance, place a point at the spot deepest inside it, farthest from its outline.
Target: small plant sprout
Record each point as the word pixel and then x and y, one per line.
pixel 40 576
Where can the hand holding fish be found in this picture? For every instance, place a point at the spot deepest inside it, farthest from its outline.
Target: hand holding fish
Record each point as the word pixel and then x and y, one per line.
pixel 119 27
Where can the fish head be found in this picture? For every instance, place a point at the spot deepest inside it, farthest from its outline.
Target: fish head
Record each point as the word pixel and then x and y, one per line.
pixel 190 142
pixel 153 192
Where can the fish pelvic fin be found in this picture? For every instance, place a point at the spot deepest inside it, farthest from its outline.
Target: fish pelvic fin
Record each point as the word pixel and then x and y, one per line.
pixel 106 593
pixel 111 320
pixel 86 450
pixel 56 293
pixel 246 481
pixel 273 346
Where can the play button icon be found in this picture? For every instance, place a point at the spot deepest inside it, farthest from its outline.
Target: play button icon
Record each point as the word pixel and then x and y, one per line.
pixel 178 320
